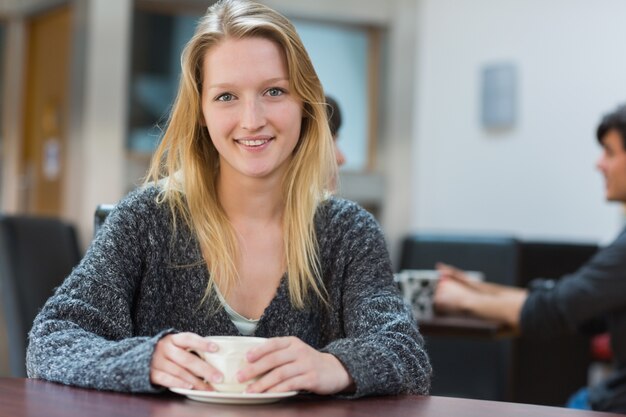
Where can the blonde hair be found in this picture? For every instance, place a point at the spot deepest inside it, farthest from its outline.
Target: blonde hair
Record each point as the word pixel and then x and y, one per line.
pixel 186 163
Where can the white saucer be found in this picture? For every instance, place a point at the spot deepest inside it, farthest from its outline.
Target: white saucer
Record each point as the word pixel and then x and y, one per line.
pixel 233 398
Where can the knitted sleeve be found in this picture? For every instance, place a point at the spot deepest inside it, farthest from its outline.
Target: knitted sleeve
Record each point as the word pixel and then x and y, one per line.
pixel 84 334
pixel 381 347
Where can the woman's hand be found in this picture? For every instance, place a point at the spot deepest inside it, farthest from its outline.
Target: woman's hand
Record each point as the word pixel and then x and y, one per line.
pixel 174 366
pixel 289 364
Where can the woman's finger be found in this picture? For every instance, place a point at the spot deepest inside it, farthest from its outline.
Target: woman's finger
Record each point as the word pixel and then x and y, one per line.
pixel 299 382
pixel 168 380
pixel 171 372
pixel 271 345
pixel 172 355
pixel 276 376
pixel 193 341
pixel 275 355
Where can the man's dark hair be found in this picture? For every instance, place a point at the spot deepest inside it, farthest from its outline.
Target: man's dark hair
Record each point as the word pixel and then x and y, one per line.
pixel 615 120
pixel 334 115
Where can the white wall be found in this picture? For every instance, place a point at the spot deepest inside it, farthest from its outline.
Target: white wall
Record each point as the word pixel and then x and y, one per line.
pixel 397 126
pixel 536 180
pixel 101 134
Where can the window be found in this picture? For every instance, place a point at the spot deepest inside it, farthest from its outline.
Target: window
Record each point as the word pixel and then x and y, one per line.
pixel 158 41
pixel 341 56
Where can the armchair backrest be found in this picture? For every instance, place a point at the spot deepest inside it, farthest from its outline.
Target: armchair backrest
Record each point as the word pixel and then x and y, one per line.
pixel 497 257
pixel 102 211
pixel 36 254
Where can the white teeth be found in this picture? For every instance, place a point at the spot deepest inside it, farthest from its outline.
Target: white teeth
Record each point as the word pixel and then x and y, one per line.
pixel 256 142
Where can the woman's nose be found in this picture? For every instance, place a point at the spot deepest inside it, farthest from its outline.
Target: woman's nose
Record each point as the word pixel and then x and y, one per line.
pixel 253 115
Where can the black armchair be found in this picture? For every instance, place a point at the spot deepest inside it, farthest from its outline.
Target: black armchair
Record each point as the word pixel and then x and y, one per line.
pixel 471 368
pixel 524 369
pixel 36 254
pixel 102 211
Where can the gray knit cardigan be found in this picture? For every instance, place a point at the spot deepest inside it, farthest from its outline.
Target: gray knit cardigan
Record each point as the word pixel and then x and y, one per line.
pixel 137 283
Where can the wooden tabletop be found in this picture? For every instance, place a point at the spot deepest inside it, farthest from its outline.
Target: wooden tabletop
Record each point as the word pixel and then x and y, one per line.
pixel 25 397
pixel 463 326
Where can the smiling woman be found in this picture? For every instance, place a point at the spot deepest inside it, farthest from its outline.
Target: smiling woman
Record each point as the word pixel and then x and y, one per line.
pixel 236 233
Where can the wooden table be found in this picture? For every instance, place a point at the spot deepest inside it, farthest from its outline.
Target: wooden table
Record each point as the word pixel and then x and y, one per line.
pixel 463 326
pixel 24 397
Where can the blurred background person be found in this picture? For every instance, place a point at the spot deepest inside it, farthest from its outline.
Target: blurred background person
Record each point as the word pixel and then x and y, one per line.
pixel 334 122
pixel 592 297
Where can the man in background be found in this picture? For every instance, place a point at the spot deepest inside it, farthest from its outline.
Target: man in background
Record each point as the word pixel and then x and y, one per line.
pixel 596 293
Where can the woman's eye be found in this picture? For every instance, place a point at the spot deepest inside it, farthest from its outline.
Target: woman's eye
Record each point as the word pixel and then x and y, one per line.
pixel 225 97
pixel 275 92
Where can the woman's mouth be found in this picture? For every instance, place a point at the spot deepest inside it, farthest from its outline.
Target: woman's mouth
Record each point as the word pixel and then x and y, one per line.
pixel 254 142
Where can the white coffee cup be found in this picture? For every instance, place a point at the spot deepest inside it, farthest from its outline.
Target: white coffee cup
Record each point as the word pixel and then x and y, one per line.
pixel 229 358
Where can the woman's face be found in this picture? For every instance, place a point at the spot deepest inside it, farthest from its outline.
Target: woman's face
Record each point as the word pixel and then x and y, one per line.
pixel 251 115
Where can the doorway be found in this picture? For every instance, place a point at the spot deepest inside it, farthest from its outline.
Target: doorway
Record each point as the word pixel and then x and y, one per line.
pixel 46 98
